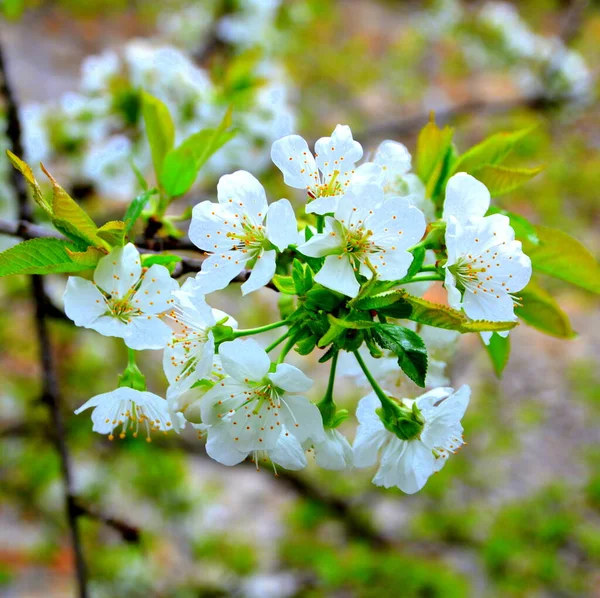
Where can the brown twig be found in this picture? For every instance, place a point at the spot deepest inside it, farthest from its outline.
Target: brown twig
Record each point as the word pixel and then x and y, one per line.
pixel 50 390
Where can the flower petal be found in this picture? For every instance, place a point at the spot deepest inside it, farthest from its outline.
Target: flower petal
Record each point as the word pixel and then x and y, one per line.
pixel 288 452
pixel 290 378
pixel 244 359
pixel 147 332
pixel 326 243
pixel 118 271
pixel 291 155
pixel 371 435
pixel 219 269
pixel 394 158
pixel 262 273
pixel 338 275
pixel 212 226
pixel 338 153
pixel 302 418
pixel 335 453
pixel 154 294
pixel 282 228
pixel 466 197
pixel 244 193
pixel 221 447
pixel 84 303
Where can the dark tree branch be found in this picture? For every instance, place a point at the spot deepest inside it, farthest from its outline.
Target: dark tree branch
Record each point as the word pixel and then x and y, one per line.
pixel 128 532
pixel 50 390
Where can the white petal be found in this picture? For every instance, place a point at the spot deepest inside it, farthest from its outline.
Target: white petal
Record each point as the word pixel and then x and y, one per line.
pixel 291 155
pixel 244 192
pixel 302 418
pixel 323 205
pixel 212 226
pixel 147 332
pixel 338 275
pixel 118 271
pixel 335 453
pixel 288 452
pixel 290 378
pixel 221 447
pixel 360 202
pixel 185 363
pixel 328 242
pixel 371 435
pixel 407 465
pixel 219 269
pixel 282 228
pixel 338 153
pixel 221 399
pixel 466 197
pixel 84 303
pixel 262 273
pixel 394 158
pixel 110 326
pixel 154 293
pixel 369 172
pixel 397 223
pixel 244 359
pixel 391 265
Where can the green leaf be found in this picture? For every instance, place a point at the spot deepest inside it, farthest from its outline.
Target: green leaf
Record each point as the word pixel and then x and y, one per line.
pixel 284 284
pixel 540 310
pixel 302 275
pixel 167 260
pixel 335 330
pixel 27 173
pixel 351 324
pixel 415 266
pixel 432 147
pixel 182 164
pixel 160 129
pixel 69 218
pixel 88 258
pixel 42 256
pixel 113 233
pixel 395 303
pixel 499 352
pixel 320 298
pixel 500 179
pixel 560 255
pixel 492 150
pixel 136 207
pixel 408 346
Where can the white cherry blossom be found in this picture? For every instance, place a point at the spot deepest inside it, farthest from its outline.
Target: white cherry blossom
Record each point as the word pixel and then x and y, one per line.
pixel 333 453
pixel 252 408
pixel 128 408
pixel 235 231
pixel 408 464
pixel 365 229
pixel 189 355
pixel 325 176
pixel 485 267
pixel 124 300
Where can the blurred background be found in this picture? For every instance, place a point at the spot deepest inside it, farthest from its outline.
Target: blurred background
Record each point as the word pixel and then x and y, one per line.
pixel 516 513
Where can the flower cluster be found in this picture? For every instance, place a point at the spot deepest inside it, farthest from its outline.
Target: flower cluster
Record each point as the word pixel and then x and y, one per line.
pixel 369 236
pixel 97 131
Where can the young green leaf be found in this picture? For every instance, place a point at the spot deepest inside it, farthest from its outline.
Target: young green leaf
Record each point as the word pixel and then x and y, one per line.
pixel 69 218
pixel 540 310
pixel 500 179
pixel 163 259
pixel 351 324
pixel 113 233
pixel 160 129
pixel 302 276
pixel 560 255
pixel 432 147
pixel 88 258
pixel 43 256
pixel 27 173
pixel 492 150
pixel 284 284
pixel 499 351
pixel 182 164
pixel 136 207
pixel 408 346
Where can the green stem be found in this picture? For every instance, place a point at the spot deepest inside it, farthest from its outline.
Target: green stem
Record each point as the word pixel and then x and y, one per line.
pixel 130 357
pixel 327 405
pixel 385 400
pixel 286 349
pixel 259 329
pixel 428 268
pixel 367 286
pixel 426 277
pixel 277 342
